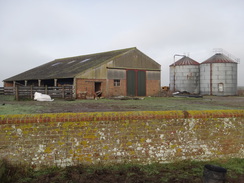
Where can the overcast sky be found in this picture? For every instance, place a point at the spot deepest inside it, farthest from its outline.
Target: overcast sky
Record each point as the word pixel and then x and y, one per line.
pixel 33 32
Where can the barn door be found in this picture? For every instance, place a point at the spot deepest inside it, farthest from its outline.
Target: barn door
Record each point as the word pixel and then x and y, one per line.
pixel 131 83
pixel 136 83
pixel 141 83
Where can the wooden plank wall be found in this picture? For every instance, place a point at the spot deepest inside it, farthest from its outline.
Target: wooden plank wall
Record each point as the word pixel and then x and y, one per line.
pixel 20 92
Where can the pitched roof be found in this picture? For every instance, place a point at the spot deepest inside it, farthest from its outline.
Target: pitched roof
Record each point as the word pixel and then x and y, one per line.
pixel 185 61
pixel 219 58
pixel 68 67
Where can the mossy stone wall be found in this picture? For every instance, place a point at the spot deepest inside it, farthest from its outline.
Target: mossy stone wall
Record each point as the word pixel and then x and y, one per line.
pixel 113 137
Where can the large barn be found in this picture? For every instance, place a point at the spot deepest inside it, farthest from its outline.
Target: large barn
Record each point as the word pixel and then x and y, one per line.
pixel 126 72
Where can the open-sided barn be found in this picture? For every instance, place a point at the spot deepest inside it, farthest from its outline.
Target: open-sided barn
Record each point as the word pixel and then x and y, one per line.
pixel 127 72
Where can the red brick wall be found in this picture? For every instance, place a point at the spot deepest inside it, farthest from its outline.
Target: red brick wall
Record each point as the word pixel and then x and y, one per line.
pixel 108 91
pixel 153 87
pixel 117 90
pixel 88 85
pixel 112 137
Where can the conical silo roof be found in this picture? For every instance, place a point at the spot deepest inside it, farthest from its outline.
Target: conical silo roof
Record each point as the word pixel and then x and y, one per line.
pixel 219 58
pixel 185 61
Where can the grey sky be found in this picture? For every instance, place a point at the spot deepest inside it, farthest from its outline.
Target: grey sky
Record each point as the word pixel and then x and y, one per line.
pixel 33 32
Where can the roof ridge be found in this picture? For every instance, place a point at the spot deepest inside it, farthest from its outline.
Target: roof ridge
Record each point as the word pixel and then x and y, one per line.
pixel 92 54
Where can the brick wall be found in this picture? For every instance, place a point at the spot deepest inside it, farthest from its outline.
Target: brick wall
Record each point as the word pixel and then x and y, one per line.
pixel 116 90
pixel 153 87
pixel 88 85
pixel 112 137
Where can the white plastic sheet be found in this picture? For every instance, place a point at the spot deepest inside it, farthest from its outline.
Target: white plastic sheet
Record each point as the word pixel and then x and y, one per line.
pixel 42 97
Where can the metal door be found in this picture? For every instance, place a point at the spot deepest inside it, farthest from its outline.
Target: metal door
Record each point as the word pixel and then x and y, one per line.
pixel 141 83
pixel 131 82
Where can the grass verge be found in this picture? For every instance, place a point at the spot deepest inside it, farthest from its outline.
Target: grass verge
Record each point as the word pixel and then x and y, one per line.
pixel 177 172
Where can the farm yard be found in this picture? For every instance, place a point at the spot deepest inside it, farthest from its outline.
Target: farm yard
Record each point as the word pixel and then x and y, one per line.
pixel 10 106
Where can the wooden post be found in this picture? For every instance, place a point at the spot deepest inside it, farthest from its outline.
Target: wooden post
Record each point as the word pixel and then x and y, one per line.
pixel 39 82
pixel 72 92
pixel 46 89
pixel 17 93
pixel 55 82
pixel 31 92
pixel 63 92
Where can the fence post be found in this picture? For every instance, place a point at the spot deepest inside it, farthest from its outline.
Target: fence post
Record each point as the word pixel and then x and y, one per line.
pixel 63 92
pixel 17 92
pixel 31 92
pixel 72 92
pixel 46 89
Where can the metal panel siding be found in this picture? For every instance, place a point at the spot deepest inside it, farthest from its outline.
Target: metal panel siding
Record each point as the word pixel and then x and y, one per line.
pixel 94 73
pixel 141 83
pixel 225 73
pixel 131 83
pixel 134 60
pixel 116 74
pixel 153 75
pixel 186 78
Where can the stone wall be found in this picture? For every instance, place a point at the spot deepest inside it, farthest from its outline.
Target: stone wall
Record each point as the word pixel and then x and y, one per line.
pixel 113 137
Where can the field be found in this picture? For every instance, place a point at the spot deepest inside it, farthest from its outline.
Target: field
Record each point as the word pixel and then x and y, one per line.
pixel 10 106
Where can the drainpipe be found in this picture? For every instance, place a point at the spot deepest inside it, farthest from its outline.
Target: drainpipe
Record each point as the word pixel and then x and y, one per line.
pixel 176 55
pixel 211 79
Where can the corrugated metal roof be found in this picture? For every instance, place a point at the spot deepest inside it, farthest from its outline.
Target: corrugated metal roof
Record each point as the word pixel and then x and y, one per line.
pixel 68 67
pixel 185 61
pixel 219 58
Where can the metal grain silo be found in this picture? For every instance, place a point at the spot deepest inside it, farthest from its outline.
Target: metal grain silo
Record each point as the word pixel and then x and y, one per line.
pixel 218 76
pixel 184 75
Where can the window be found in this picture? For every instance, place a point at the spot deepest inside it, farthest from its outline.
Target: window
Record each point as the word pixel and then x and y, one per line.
pixel 117 82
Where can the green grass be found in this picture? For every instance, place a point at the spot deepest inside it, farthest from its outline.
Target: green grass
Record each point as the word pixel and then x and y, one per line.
pixel 182 171
pixel 148 104
pixel 18 109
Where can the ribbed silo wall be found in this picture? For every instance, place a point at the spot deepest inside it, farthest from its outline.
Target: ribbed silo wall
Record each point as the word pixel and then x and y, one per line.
pixel 218 79
pixel 186 78
pixel 205 79
pixel 171 78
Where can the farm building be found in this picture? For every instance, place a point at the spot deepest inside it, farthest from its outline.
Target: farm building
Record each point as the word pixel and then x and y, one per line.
pixel 127 72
